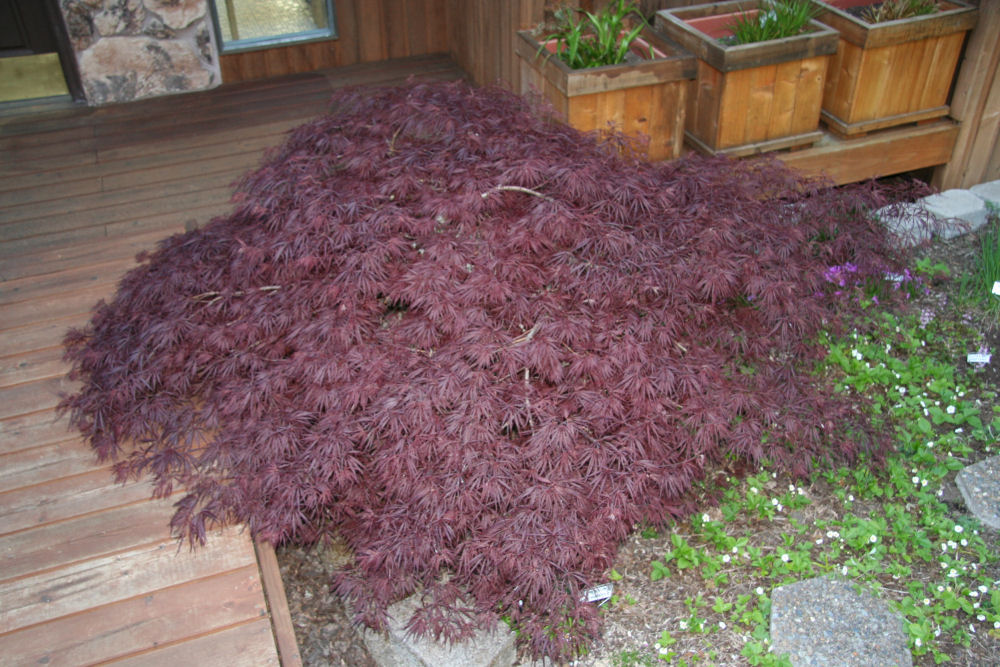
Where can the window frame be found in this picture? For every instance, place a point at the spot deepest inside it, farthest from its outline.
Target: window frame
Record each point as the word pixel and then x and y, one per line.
pixel 259 43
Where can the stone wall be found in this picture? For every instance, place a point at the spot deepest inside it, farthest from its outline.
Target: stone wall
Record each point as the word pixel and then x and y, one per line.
pixel 131 49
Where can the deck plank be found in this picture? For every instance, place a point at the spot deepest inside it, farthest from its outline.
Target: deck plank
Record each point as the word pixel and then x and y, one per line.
pixel 153 619
pixel 241 646
pixel 107 579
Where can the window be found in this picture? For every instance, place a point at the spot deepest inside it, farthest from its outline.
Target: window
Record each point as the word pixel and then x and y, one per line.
pixel 244 25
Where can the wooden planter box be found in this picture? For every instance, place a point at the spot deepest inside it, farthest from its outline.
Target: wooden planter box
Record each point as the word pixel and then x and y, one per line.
pixel 891 73
pixel 641 98
pixel 750 98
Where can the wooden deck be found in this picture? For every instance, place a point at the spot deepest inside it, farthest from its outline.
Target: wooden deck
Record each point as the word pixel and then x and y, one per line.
pixel 88 571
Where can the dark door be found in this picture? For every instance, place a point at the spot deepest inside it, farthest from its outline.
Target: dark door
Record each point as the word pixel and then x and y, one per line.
pixel 33 35
pixel 25 28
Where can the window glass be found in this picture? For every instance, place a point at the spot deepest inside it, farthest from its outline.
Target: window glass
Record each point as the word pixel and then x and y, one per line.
pixel 242 25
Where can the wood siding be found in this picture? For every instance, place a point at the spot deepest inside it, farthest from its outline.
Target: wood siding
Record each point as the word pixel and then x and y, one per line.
pixel 483 37
pixel 976 104
pixel 368 31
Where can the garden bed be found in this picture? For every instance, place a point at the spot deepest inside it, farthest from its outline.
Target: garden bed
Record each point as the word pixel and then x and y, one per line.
pixel 644 607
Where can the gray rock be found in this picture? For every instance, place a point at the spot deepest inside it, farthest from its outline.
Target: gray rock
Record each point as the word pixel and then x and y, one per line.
pixel 823 622
pixel 396 648
pixel 958 206
pixel 980 487
pixel 988 192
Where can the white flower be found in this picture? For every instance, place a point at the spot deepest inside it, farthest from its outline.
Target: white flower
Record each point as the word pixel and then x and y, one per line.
pixel 873 539
pixel 915 479
pixel 958 528
pixel 996 624
pixel 705 518
pixel 927 601
pixel 784 558
pixel 774 501
pixel 759 591
pixel 683 625
pixel 973 594
pixel 850 497
pixel 722 625
pixel 726 558
pixel 819 540
pixel 964 542
pixel 664 650
pixel 952 573
pixel 950 409
pixel 983 589
pixel 917 642
pixel 736 550
pixel 959 430
pixel 753 489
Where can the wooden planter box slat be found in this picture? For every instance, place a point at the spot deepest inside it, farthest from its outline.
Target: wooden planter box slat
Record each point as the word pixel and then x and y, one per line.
pixel 891 73
pixel 750 98
pixel 645 98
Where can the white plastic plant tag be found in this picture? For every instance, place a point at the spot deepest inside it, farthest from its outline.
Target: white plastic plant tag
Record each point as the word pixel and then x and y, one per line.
pixel 979 358
pixel 598 593
pixel 996 288
pixel 894 277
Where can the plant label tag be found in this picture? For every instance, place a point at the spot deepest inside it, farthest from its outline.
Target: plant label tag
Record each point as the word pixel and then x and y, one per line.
pixel 979 358
pixel 598 593
pixel 894 277
pixel 996 288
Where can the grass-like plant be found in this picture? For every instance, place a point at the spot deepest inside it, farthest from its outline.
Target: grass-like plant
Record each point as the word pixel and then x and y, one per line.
pixel 479 347
pixel 892 10
pixel 776 19
pixel 587 39
pixel 978 287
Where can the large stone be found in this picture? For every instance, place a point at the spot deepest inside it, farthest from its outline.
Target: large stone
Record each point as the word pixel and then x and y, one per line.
pixel 397 648
pixel 178 14
pixel 823 622
pixel 79 18
pixel 121 69
pixel 910 223
pixel 958 206
pixel 988 192
pixel 120 17
pixel 980 487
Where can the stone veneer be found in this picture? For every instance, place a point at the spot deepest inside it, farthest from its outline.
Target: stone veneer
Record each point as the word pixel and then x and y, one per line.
pixel 131 49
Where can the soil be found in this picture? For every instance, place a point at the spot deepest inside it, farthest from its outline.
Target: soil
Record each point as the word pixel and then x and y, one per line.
pixel 326 636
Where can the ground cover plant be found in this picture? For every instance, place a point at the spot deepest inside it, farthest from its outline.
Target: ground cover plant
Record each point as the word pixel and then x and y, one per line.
pixel 479 348
pixel 901 531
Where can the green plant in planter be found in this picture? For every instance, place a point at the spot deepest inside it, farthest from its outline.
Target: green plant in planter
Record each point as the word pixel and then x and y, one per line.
pixel 891 10
pixel 776 20
pixel 596 39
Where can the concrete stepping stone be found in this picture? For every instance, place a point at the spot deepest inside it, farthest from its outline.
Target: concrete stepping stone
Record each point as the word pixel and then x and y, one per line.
pixel 399 649
pixel 823 622
pixel 980 487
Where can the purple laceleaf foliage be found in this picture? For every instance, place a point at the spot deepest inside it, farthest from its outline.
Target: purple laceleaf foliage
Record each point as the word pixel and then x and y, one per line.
pixel 479 347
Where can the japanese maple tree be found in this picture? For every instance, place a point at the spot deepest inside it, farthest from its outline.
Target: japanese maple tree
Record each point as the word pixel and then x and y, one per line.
pixel 478 346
